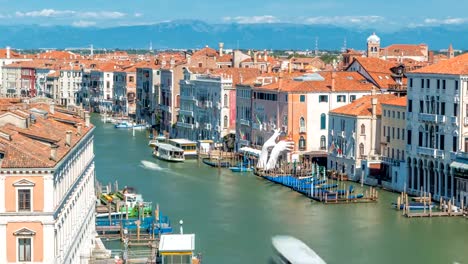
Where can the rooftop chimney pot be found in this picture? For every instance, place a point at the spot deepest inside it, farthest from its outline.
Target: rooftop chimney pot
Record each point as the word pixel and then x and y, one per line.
pixel 68 137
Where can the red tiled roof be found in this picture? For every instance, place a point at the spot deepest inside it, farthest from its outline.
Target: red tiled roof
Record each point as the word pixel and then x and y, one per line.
pixel 207 51
pixel 400 101
pixel 363 105
pixel 404 50
pixel 457 66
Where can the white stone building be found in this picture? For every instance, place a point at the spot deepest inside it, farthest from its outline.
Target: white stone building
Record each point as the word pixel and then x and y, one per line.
pixel 437 127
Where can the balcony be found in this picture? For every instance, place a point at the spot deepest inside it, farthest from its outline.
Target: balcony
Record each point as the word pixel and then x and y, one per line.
pixel 454 120
pixel 423 117
pixel 302 130
pixel 462 154
pixel 185 125
pixel 187 97
pixel 186 112
pixel 430 152
pixel 244 122
pixel 391 161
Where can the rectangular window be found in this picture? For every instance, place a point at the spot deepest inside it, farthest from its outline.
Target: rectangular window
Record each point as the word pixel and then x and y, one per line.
pixel 428 83
pixel 455 144
pixel 411 82
pixel 438 84
pixel 442 142
pixel 456 84
pixel 384 131
pixel 384 112
pixel 393 132
pixel 398 133
pixel 455 109
pixel 285 97
pixel 422 83
pixel 443 84
pixel 442 108
pixel 323 98
pixel 24 200
pixel 402 134
pixel 408 138
pixel 421 106
pixel 302 98
pixel 410 106
pixel 24 249
pixel 352 98
pixel 398 114
pixel 420 139
pixel 393 114
pixel 341 98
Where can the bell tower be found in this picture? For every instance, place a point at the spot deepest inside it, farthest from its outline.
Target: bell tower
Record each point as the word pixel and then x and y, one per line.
pixel 373 46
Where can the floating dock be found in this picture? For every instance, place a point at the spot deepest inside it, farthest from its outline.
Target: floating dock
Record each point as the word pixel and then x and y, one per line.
pixel 426 208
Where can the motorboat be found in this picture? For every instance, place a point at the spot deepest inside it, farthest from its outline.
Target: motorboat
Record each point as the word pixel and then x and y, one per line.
pixel 289 249
pixel 168 152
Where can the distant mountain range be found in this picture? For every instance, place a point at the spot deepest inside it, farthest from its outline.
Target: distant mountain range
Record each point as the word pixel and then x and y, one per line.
pixel 185 34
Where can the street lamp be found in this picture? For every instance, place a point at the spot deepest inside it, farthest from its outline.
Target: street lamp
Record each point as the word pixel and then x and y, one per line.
pixel 181 228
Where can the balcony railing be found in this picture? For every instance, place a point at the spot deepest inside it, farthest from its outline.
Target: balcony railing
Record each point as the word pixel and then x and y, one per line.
pixel 185 125
pixel 244 122
pixel 187 97
pixel 454 120
pixel 423 117
pixel 186 112
pixel 430 152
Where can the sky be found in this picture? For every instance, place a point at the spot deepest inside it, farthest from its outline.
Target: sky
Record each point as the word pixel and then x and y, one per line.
pixel 378 14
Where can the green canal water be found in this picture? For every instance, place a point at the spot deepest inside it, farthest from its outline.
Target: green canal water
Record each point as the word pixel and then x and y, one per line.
pixel 235 215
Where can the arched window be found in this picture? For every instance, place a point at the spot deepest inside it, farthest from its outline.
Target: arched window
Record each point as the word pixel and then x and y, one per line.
pixel 323 121
pixel 361 149
pixel 225 100
pixel 302 124
pixel 302 143
pixel 323 143
pixel 363 129
pixel 225 121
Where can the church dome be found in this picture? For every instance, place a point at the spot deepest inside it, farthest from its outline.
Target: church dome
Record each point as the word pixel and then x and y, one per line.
pixel 373 38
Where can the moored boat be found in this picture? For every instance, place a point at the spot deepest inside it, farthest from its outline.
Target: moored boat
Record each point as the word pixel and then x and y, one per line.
pixel 289 249
pixel 124 124
pixel 240 169
pixel 168 152
pixel 216 163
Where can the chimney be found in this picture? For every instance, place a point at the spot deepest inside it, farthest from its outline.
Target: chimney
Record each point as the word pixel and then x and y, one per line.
pixel 8 52
pixel 280 80
pixel 172 61
pixel 78 129
pixel 290 66
pixel 265 55
pixel 87 124
pixel 221 47
pixel 52 108
pixel 255 57
pixel 68 137
pixel 374 107
pixel 333 81
pixel 53 152
pixel 373 90
pixel 431 57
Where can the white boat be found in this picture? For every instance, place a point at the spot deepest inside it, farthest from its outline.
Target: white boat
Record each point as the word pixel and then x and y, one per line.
pixel 189 147
pixel 289 249
pixel 124 124
pixel 168 152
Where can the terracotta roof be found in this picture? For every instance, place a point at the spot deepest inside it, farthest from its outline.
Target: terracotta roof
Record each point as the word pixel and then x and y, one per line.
pixel 59 55
pixel 13 55
pixel 457 66
pixel 399 101
pixel 363 106
pixel 404 50
pixel 227 58
pixel 30 147
pixel 236 73
pixel 378 69
pixel 207 51
pixel 344 82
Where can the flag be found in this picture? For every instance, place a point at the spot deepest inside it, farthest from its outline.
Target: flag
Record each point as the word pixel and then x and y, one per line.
pixel 332 147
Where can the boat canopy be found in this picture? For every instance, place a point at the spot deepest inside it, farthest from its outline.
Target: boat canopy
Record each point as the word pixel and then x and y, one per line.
pixel 177 243
pixel 295 251
pixel 251 151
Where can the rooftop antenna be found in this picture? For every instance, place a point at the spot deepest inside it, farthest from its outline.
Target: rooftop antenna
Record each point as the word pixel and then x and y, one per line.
pixel 316 46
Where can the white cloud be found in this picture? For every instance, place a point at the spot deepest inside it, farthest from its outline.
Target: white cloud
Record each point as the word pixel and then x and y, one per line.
pixel 344 20
pixel 83 23
pixel 252 19
pixel 45 13
pixel 71 13
pixel 102 14
pixel 446 21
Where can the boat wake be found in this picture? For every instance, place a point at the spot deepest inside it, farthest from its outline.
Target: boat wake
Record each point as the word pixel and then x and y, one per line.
pixel 150 165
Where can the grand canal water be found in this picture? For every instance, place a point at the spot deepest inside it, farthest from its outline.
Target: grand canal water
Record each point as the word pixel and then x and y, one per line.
pixel 234 216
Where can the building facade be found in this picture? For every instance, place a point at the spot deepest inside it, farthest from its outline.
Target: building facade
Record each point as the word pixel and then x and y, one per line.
pixel 437 127
pixel 46 186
